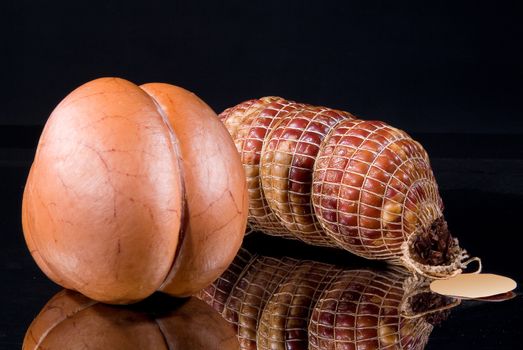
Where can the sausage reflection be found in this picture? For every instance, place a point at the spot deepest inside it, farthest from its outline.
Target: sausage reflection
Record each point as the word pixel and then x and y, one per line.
pixel 72 321
pixel 301 304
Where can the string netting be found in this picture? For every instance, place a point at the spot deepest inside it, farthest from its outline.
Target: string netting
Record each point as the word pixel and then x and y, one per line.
pixel 217 294
pixel 250 293
pixel 323 177
pixel 248 124
pixel 287 303
pixel 288 156
pixel 361 309
pixel 373 187
pixel 285 318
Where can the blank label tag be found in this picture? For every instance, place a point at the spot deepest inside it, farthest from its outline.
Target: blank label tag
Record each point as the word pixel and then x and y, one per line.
pixel 468 285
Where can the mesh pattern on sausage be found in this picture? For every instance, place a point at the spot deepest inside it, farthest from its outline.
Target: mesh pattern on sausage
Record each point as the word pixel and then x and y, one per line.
pixel 290 304
pixel 360 309
pixel 284 320
pixel 287 162
pixel 236 112
pixel 373 186
pixel 250 293
pixel 216 294
pixel 323 177
pixel 249 123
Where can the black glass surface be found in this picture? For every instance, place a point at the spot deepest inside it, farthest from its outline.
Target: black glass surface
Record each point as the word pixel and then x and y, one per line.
pixel 485 218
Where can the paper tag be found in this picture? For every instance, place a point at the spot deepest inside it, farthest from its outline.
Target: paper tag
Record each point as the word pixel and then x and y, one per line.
pixel 470 285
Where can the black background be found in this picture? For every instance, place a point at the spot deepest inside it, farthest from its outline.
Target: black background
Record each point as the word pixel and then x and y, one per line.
pixel 425 66
pixel 448 72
